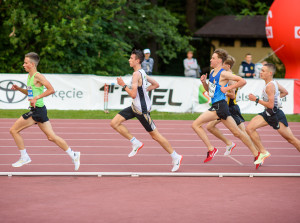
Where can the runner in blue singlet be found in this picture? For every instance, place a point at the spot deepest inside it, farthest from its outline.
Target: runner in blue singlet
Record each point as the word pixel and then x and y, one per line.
pixel 217 88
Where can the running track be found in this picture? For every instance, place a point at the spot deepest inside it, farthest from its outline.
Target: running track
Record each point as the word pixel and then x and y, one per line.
pixel 144 199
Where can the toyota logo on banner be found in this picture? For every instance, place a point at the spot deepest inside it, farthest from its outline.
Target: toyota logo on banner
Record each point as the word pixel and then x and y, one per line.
pixel 7 95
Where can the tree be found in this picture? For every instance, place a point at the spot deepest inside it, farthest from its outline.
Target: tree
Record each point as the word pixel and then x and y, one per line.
pixel 84 36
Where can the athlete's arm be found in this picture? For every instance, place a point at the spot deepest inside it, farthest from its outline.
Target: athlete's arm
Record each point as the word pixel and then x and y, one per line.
pixel 153 83
pixel 270 90
pixel 134 85
pixel 231 93
pixel 226 76
pixel 282 90
pixel 42 81
pixel 203 81
pixel 17 88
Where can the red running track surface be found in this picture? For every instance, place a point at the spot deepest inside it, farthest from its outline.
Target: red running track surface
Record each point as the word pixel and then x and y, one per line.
pixel 145 199
pixel 104 150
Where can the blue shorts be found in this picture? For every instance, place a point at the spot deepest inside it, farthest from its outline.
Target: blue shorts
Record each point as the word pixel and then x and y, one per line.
pixel 275 118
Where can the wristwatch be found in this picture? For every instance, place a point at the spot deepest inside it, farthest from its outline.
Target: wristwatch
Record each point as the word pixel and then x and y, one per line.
pixel 257 99
pixel 124 87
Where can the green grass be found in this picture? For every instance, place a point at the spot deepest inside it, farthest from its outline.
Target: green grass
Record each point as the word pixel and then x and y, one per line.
pixel 91 114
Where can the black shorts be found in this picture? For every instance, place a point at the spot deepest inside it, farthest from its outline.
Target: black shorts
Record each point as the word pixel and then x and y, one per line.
pixel 275 118
pixel 236 114
pixel 38 114
pixel 144 119
pixel 222 109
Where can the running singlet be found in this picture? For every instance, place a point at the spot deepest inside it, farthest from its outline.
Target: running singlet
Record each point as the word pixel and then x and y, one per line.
pixel 142 103
pixel 234 101
pixel 277 102
pixel 36 90
pixel 214 87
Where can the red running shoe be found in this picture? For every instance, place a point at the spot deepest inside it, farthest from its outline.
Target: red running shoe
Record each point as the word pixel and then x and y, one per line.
pixel 257 165
pixel 210 155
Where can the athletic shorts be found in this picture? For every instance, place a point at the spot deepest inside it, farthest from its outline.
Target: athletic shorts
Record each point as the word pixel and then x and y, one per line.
pixel 236 114
pixel 144 119
pixel 38 114
pixel 222 109
pixel 275 118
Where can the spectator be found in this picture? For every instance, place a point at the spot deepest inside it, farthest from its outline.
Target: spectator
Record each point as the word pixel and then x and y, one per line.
pixel 191 67
pixel 247 68
pixel 147 64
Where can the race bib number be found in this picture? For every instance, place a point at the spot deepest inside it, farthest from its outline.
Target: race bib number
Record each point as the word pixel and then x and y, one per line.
pixel 211 89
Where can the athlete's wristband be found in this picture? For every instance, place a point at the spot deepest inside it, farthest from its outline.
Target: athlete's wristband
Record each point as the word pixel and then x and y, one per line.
pixel 124 87
pixel 257 99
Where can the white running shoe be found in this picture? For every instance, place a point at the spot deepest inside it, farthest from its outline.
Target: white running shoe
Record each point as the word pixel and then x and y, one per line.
pixel 22 161
pixel 76 160
pixel 176 163
pixel 135 149
pixel 229 149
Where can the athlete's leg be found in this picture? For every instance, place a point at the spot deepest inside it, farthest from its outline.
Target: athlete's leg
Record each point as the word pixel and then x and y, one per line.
pixel 205 117
pixel 155 134
pixel 116 123
pixel 256 122
pixel 46 127
pixel 211 127
pixel 17 127
pixel 287 133
pixel 231 125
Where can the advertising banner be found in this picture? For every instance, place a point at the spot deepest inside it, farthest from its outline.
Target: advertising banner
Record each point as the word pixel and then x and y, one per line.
pixel 175 94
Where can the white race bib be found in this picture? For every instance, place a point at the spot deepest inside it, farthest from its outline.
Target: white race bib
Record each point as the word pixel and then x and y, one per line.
pixel 211 89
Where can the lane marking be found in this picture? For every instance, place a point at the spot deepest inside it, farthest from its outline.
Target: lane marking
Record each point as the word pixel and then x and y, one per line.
pixel 241 164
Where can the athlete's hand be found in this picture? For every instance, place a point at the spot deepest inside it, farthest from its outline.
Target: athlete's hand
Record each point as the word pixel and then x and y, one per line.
pixel 252 97
pixel 15 87
pixel 120 81
pixel 203 78
pixel 33 101
pixel 224 89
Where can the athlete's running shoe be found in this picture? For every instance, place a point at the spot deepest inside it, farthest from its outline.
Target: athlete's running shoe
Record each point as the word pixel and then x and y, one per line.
pixel 210 155
pixel 135 149
pixel 261 158
pixel 22 161
pixel 229 149
pixel 257 165
pixel 176 163
pixel 76 160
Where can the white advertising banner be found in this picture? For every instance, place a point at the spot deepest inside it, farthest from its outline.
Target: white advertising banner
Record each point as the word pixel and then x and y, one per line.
pixel 86 92
pixel 201 100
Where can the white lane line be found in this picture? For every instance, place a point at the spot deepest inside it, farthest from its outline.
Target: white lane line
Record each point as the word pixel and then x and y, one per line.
pixel 155 155
pixel 120 139
pixel 241 164
pixel 146 164
pixel 149 147
pixel 135 133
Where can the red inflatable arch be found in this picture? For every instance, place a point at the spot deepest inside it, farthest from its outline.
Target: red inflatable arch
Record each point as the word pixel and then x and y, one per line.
pixel 283 33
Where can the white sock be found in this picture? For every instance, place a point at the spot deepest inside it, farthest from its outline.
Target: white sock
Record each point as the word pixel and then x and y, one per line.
pixel 134 141
pixel 23 153
pixel 174 155
pixel 70 152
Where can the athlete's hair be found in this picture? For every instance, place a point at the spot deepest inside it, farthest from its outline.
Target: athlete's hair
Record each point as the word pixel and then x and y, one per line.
pixel 34 58
pixel 230 61
pixel 138 55
pixel 271 67
pixel 248 54
pixel 222 54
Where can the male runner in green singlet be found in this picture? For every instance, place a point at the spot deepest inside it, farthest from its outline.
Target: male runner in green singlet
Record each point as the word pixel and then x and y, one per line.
pixel 38 112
